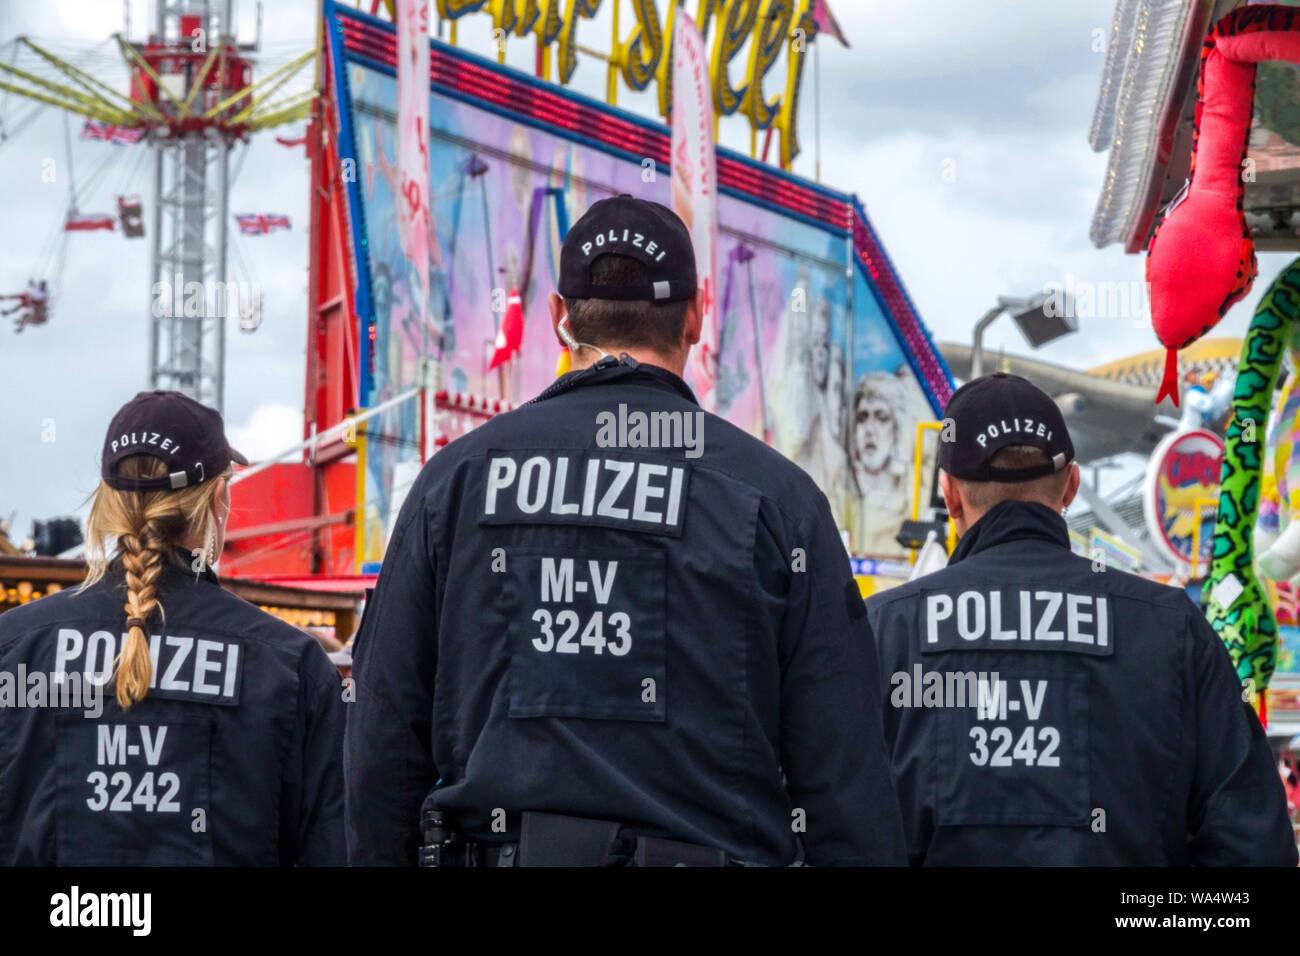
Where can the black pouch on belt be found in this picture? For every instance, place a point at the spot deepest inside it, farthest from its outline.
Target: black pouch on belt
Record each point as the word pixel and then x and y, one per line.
pixel 652 851
pixel 550 839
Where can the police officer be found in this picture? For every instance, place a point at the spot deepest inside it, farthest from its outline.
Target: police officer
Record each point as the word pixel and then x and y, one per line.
pixel 1043 709
pixel 613 629
pixel 208 735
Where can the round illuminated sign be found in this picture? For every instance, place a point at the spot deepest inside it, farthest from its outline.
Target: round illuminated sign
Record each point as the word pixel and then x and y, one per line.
pixel 1183 470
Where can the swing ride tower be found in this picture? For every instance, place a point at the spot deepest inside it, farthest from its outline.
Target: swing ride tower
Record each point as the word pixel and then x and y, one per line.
pixel 190 89
pixel 191 172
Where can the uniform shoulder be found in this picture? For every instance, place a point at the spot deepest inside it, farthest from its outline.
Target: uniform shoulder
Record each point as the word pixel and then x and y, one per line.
pixel 279 638
pixel 497 428
pixel 752 461
pixel 36 612
pixel 1125 584
pixel 500 431
pixel 936 580
pixel 250 620
pixel 218 604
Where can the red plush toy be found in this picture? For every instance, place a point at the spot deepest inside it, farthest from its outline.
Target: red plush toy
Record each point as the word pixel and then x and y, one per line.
pixel 1201 260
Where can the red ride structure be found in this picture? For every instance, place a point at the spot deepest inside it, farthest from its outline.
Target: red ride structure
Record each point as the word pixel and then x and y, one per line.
pixel 184 81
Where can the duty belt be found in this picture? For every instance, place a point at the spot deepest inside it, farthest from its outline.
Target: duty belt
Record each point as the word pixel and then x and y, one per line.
pixel 548 839
pixel 469 853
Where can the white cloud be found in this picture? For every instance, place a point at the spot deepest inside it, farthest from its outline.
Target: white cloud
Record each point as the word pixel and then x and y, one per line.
pixel 268 430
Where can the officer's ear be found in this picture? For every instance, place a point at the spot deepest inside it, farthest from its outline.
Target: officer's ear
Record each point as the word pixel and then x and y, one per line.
pixel 221 507
pixel 694 318
pixel 1071 486
pixel 952 496
pixel 555 302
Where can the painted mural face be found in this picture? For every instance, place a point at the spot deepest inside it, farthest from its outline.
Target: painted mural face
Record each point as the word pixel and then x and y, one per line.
pixel 874 434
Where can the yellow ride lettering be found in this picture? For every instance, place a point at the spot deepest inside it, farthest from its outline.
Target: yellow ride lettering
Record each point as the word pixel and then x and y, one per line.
pixel 644 54
pixel 705 12
pixel 805 30
pixel 641 53
pixel 455 9
pixel 549 23
pixel 771 33
pixel 527 13
pixel 574 10
pixel 504 16
pixel 733 31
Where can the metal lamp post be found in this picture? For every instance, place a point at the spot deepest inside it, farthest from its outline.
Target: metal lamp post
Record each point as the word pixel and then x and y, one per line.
pixel 1039 322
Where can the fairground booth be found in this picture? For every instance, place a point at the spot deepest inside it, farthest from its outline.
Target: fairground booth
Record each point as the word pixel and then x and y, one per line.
pixel 816 346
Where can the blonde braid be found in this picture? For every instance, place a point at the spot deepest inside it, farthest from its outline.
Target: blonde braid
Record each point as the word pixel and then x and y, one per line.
pixel 142 559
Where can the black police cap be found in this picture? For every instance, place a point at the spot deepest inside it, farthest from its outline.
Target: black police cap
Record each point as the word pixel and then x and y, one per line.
pixel 648 232
pixel 991 412
pixel 188 436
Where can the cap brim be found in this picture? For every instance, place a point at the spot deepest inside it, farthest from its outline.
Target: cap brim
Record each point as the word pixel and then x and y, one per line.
pixel 237 458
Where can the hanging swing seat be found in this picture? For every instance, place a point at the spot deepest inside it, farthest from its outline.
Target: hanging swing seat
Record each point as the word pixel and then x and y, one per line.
pixel 86 222
pixel 130 213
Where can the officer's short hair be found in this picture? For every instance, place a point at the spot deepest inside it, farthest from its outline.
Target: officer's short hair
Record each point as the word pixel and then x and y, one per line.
pixel 607 323
pixel 983 495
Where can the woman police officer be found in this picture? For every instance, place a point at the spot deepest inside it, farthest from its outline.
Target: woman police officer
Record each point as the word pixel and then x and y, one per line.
pixel 153 717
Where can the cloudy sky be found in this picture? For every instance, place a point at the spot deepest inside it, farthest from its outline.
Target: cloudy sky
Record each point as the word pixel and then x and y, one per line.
pixel 997 95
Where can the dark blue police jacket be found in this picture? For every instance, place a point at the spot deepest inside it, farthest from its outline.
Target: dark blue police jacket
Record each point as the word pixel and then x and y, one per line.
pixel 234 757
pixel 1102 724
pixel 571 620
